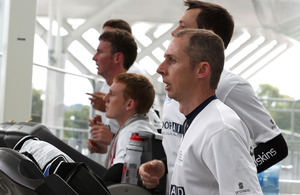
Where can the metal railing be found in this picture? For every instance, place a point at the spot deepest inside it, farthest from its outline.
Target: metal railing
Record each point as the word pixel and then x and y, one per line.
pixel 292 110
pixel 289 175
pixel 77 138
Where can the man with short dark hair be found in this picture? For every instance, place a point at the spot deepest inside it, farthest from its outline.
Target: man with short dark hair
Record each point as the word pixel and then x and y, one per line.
pixel 103 128
pixel 116 52
pixel 232 90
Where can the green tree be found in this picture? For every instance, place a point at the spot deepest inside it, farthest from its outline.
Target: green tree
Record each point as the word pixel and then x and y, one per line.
pixel 267 91
pixel 78 111
pixel 279 109
pixel 77 116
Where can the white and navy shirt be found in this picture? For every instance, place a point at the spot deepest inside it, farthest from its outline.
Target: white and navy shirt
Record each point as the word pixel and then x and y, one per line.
pixel 214 156
pixel 236 93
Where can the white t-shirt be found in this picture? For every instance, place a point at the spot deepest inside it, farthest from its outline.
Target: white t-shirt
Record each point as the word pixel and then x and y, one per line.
pixel 135 124
pixel 214 157
pixel 236 93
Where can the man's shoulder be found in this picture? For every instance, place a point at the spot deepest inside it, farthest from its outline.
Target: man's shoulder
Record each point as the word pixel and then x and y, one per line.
pixel 217 112
pixel 228 82
pixel 141 124
pixel 229 77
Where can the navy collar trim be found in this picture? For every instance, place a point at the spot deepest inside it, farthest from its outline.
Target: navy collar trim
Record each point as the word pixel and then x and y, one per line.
pixel 190 117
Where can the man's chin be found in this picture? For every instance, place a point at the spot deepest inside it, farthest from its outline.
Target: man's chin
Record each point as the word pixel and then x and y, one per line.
pixel 108 115
pixel 170 95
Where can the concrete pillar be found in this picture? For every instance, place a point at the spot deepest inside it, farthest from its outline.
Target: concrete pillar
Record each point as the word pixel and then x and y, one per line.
pixel 17 60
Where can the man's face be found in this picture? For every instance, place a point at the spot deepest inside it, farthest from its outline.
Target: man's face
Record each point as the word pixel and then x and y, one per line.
pixel 187 20
pixel 175 69
pixel 115 103
pixel 103 58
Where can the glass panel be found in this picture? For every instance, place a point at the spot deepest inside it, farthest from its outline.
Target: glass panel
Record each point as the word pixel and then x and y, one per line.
pixel 67 107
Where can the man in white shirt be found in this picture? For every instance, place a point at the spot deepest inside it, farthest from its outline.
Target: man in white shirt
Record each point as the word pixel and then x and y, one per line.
pixel 214 155
pixel 103 128
pixel 116 52
pixel 128 101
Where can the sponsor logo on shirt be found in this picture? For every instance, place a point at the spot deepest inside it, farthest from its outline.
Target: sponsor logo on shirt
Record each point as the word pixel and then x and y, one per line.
pixel 175 127
pixel 263 157
pixel 273 124
pixel 251 151
pixel 241 189
pixel 179 159
pixel 176 190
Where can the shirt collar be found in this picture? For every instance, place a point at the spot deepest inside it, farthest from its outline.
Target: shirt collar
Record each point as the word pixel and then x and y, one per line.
pixel 190 117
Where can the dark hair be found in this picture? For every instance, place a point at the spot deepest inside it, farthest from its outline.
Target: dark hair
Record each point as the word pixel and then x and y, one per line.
pixel 205 46
pixel 118 24
pixel 121 41
pixel 138 88
pixel 213 17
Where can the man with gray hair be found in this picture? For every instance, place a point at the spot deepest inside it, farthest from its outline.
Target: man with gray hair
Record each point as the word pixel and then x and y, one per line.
pixel 214 156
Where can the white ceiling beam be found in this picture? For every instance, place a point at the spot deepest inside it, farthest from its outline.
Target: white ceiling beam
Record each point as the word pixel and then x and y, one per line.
pixel 95 20
pixel 270 61
pixel 82 68
pixel 155 43
pixel 249 55
pixel 242 46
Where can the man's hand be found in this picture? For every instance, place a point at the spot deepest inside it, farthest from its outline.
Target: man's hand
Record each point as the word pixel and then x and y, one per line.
pixel 101 134
pixel 93 121
pixel 151 172
pixel 97 101
pixel 96 148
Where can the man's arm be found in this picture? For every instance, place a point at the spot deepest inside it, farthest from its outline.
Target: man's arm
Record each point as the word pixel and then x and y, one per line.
pixel 262 128
pixel 226 154
pixel 151 172
pixel 269 153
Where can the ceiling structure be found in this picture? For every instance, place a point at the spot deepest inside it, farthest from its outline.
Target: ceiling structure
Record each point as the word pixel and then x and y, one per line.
pixel 263 29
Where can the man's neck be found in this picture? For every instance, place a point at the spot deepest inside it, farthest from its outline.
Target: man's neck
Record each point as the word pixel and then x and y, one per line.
pixel 124 118
pixel 110 78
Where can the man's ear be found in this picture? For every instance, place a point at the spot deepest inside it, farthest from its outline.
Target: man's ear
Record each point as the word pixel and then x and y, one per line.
pixel 118 57
pixel 203 70
pixel 130 104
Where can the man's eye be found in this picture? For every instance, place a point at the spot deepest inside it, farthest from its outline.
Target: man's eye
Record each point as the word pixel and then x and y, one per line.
pixel 172 61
